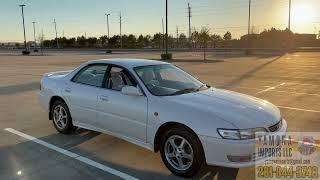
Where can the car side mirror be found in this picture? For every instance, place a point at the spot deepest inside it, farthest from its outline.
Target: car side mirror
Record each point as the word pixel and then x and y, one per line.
pixel 131 91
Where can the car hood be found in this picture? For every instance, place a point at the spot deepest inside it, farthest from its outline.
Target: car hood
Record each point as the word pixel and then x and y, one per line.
pixel 241 110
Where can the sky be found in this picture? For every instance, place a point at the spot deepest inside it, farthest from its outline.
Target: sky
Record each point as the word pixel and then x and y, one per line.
pixel 87 17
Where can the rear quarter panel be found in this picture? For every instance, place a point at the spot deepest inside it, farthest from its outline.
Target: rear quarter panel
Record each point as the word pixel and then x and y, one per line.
pixel 50 86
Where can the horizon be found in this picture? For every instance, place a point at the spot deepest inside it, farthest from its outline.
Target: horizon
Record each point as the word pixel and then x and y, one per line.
pixel 229 16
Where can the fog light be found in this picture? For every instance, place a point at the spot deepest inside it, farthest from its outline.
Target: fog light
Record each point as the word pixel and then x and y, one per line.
pixel 239 158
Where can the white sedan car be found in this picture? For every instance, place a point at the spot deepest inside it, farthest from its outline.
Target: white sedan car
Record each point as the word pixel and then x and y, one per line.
pixel 160 107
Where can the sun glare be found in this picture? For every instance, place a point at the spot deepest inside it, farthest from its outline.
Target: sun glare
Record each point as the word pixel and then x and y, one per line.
pixel 302 13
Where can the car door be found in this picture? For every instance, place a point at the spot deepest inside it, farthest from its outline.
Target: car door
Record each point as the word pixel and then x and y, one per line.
pixel 122 114
pixel 81 94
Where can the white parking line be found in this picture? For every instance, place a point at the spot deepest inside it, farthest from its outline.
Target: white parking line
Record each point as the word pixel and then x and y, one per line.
pixel 290 92
pixel 270 88
pixel 73 155
pixel 299 109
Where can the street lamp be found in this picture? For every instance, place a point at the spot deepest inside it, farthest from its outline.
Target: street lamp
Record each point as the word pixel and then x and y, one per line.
pixel 167 27
pixel 34 35
pixel 108 23
pixel 55 28
pixel 25 52
pixel 166 56
pixel 249 26
pixel 289 20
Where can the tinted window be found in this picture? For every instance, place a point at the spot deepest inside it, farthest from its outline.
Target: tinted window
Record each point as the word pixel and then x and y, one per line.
pixel 118 78
pixel 91 75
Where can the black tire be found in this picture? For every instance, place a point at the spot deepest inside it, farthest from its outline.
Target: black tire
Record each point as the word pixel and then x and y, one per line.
pixel 69 128
pixel 198 155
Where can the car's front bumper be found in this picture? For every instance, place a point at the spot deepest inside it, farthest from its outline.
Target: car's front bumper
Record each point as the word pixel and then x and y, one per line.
pixel 217 150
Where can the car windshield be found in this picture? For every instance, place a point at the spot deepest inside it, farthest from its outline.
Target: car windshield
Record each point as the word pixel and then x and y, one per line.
pixel 168 80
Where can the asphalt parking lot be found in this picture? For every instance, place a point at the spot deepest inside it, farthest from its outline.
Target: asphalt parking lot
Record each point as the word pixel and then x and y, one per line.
pixel 290 81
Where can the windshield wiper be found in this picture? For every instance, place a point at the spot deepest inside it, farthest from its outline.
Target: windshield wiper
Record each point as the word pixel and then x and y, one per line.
pixel 202 86
pixel 183 91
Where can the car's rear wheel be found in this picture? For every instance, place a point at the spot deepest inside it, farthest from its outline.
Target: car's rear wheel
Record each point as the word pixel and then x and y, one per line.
pixel 181 152
pixel 62 120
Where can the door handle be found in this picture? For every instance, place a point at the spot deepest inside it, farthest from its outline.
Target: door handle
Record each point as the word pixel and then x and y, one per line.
pixel 67 90
pixel 104 98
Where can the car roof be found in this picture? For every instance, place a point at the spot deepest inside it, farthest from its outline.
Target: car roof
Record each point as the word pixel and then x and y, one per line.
pixel 128 63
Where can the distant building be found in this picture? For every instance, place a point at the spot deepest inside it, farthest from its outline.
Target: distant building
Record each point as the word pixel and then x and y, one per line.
pixel 305 37
pixel 11 44
pixel 305 40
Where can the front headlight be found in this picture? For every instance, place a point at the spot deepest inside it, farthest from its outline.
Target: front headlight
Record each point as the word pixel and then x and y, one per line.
pixel 229 133
pixel 239 134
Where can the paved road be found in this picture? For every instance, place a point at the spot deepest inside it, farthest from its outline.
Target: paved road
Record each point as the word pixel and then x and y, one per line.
pixel 290 81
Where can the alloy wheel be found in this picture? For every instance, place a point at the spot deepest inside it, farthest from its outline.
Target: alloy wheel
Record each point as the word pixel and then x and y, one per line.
pixel 60 117
pixel 178 152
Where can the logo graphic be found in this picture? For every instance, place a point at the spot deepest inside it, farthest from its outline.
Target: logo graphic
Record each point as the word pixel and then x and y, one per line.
pixel 307 146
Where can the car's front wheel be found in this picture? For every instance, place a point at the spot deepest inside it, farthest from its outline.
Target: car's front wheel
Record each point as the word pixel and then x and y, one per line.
pixel 61 117
pixel 181 152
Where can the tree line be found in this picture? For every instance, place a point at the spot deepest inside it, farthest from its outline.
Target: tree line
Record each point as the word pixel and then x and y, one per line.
pixel 132 41
pixel 269 38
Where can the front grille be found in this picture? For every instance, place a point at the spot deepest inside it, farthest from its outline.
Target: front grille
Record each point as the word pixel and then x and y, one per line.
pixel 275 127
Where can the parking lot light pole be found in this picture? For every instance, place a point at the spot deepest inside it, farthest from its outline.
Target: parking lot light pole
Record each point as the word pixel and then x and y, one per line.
pixel 163 35
pixel 289 20
pixel 249 27
pixel 55 28
pixel 120 17
pixel 24 29
pixel 34 34
pixel 108 24
pixel 166 27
